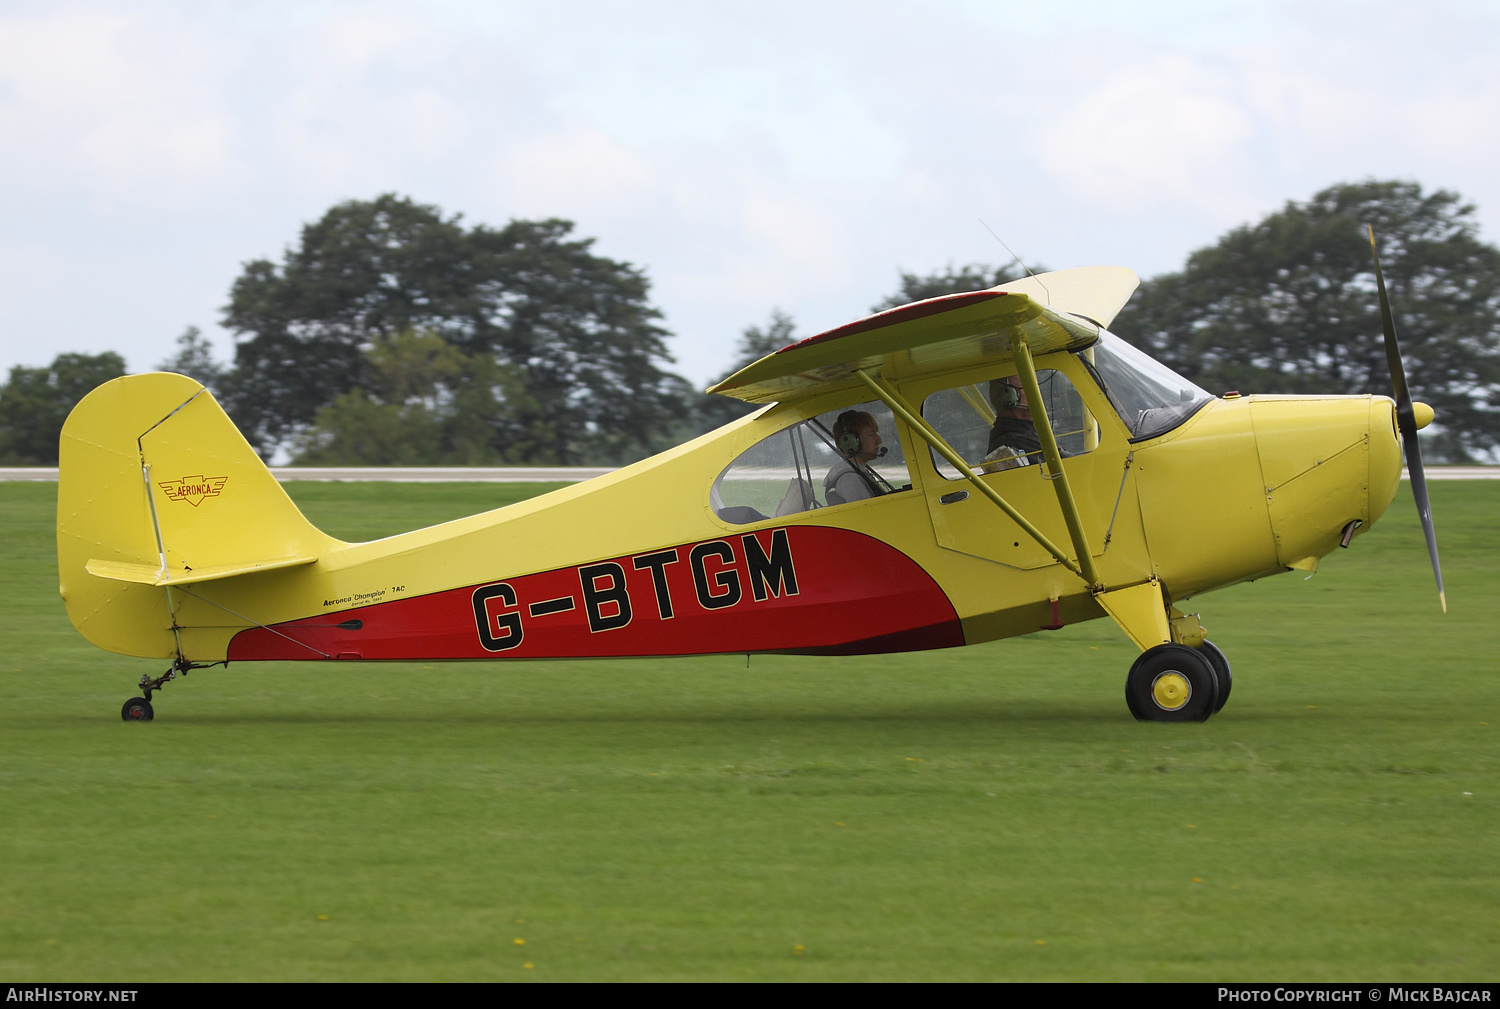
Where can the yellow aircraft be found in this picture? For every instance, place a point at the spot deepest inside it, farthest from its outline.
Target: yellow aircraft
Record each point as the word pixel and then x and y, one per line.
pixel 952 471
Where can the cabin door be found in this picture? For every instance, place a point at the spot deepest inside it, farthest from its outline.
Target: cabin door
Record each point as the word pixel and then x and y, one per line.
pixel 993 433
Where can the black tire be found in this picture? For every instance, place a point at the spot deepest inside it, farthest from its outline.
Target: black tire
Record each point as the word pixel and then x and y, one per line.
pixel 1216 659
pixel 137 709
pixel 1130 703
pixel 1172 683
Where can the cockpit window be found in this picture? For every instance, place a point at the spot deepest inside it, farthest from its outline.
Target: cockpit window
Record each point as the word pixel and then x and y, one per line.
pixel 1150 397
pixel 835 458
pixel 990 424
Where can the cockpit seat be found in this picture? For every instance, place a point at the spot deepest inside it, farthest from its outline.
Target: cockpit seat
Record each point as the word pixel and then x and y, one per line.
pixel 798 498
pixel 740 515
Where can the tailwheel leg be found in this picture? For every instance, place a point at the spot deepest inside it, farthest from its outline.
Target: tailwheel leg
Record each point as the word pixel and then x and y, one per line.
pixel 149 684
pixel 138 709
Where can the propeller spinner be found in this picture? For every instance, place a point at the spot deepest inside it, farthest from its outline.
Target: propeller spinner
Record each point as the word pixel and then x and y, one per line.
pixel 1406 422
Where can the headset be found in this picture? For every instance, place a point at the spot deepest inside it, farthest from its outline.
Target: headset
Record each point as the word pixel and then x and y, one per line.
pixel 848 444
pixel 1009 397
pixel 849 440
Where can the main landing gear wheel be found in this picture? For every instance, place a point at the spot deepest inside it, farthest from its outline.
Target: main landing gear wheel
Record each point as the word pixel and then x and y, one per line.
pixel 1216 659
pixel 1172 683
pixel 137 709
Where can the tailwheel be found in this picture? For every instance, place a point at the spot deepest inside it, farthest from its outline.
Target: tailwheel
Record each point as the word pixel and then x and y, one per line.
pixel 137 709
pixel 1215 657
pixel 1172 683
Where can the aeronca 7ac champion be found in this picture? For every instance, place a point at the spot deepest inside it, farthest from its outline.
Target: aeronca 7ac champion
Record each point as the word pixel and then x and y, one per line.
pixel 960 469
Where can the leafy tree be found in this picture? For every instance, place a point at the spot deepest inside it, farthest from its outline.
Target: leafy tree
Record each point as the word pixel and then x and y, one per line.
pixel 425 402
pixel 576 328
pixel 1288 305
pixel 758 341
pixel 36 401
pixel 195 359
pixel 755 343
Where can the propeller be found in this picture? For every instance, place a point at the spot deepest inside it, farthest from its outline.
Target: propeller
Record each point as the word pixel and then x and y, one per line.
pixel 1406 422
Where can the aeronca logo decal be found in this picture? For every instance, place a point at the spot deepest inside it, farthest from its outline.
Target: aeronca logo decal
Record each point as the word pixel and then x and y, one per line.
pixel 193 489
pixel 718 582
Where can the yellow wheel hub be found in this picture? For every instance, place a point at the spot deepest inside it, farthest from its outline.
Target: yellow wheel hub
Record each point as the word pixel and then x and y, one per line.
pixel 1171 691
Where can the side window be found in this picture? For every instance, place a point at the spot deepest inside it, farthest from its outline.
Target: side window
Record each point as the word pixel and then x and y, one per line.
pixel 804 466
pixel 989 424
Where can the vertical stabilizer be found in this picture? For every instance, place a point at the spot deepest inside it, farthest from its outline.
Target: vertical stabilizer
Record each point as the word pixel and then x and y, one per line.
pixel 156 488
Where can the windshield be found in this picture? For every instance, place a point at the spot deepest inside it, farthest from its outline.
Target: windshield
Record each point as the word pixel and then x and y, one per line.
pixel 1150 397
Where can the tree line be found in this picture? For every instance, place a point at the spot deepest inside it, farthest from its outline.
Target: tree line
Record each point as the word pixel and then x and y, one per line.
pixel 392 334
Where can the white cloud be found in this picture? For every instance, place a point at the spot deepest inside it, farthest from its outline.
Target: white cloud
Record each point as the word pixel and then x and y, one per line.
pixel 1164 134
pixel 581 172
pixel 105 103
pixel 355 38
pixel 776 248
pixel 744 155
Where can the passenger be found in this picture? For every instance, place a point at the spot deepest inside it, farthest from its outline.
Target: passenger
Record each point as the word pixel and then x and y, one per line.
pixel 1013 427
pixel 850 479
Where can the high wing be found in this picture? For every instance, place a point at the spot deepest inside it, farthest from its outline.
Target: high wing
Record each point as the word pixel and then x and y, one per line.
pixel 1063 310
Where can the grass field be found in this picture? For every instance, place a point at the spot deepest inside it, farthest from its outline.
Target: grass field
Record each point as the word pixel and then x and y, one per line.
pixel 981 813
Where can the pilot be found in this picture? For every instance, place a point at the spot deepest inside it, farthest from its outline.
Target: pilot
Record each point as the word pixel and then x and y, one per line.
pixel 1013 434
pixel 851 479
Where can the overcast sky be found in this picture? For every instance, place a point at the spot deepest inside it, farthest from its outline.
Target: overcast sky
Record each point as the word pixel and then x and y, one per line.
pixel 746 156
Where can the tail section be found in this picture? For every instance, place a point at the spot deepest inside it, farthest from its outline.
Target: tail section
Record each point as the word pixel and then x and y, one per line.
pixel 158 489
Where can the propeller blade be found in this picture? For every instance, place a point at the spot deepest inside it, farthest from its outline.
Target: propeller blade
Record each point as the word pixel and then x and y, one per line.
pixel 1406 422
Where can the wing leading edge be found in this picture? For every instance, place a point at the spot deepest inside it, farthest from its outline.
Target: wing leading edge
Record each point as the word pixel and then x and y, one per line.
pixel 1054 311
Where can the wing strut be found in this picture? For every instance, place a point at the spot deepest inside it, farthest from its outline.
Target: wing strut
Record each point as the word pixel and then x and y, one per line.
pixel 1056 474
pixel 891 398
pixel 1139 610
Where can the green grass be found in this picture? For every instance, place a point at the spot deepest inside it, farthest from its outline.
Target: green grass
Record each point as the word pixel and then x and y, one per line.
pixel 989 812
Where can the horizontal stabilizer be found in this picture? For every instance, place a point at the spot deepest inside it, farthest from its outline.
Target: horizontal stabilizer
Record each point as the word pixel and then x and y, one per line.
pixel 148 574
